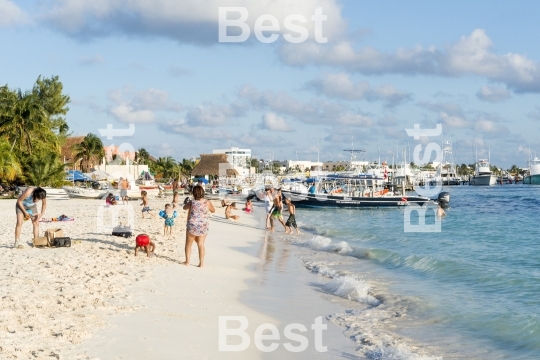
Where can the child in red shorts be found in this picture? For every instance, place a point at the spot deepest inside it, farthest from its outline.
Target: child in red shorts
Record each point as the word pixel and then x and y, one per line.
pixel 143 241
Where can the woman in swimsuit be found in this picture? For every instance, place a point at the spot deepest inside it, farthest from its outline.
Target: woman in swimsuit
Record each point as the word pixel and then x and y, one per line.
pixel 26 208
pixel 197 223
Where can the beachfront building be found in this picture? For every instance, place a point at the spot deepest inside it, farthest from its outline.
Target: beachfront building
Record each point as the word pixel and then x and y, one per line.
pixel 303 165
pixel 214 165
pixel 342 165
pixel 112 150
pixel 240 159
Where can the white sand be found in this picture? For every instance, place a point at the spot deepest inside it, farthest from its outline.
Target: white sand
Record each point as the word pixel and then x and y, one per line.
pixel 71 303
pixel 54 299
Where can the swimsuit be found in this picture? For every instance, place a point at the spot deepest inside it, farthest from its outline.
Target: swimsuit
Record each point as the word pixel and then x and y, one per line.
pixel 197 223
pixel 169 219
pixel 146 209
pixel 276 212
pixel 29 205
pixel 291 221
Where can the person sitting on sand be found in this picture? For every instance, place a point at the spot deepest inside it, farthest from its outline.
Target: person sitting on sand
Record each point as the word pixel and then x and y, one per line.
pixel 25 208
pixel 111 199
pixel 291 221
pixel 249 206
pixel 197 223
pixel 228 212
pixel 144 204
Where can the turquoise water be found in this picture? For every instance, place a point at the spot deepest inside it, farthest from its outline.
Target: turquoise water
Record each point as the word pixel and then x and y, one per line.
pixel 470 291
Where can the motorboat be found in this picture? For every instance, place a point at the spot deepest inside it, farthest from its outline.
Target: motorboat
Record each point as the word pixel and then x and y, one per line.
pixel 483 175
pixel 355 192
pixel 533 176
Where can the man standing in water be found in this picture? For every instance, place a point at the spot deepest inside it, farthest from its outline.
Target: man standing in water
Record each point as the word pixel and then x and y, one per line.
pixel 268 206
pixel 276 212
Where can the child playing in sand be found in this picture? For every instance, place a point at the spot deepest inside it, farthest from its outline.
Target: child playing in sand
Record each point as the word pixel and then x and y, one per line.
pixel 143 242
pixel 228 212
pixel 169 215
pixel 291 221
pixel 145 206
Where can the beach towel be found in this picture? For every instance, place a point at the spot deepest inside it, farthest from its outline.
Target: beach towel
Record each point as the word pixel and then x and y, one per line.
pixel 60 218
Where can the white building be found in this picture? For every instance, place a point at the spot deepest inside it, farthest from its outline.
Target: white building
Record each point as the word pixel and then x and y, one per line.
pixel 238 158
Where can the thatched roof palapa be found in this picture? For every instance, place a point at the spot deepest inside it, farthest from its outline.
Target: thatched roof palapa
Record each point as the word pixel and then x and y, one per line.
pixel 211 164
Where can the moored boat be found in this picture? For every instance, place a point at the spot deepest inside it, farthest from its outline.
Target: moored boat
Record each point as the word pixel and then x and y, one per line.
pixel 483 175
pixel 533 176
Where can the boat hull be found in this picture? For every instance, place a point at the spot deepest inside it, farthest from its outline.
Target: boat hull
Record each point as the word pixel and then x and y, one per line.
pixel 532 179
pixel 331 201
pixel 483 180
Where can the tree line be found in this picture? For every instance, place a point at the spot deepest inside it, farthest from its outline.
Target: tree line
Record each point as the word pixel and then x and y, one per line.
pixel 33 129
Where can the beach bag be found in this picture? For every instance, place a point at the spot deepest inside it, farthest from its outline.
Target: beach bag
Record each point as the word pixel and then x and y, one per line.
pixel 122 231
pixel 51 234
pixel 40 241
pixel 62 242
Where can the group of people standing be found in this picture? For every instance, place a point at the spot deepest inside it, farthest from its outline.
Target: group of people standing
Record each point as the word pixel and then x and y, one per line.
pixel 273 203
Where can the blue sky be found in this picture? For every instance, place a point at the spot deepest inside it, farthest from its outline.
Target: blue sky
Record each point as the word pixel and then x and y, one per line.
pixel 473 67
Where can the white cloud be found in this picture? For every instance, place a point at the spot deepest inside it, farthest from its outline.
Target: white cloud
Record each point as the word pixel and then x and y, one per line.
pixel 198 132
pixel 316 111
pixel 341 86
pixel 210 114
pixel 187 21
pixel 471 55
pixel 11 14
pixel 493 94
pixel 273 122
pixel 140 107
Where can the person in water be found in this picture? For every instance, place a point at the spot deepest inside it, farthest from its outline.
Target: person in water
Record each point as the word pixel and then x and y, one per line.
pixel 291 221
pixel 26 208
pixel 440 211
pixel 277 211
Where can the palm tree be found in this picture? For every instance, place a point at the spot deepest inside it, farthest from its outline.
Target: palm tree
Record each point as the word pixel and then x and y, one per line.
pixel 142 156
pixel 90 149
pixel 186 167
pixel 166 167
pixel 23 120
pixel 45 169
pixel 9 167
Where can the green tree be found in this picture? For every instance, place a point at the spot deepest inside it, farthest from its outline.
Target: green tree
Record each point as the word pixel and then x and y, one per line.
pixel 90 149
pixel 54 102
pixel 9 166
pixel 166 167
pixel 186 167
pixel 142 156
pixel 24 121
pixel 45 170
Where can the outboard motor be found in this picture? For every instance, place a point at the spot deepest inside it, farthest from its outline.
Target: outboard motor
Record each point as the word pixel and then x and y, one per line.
pixel 444 199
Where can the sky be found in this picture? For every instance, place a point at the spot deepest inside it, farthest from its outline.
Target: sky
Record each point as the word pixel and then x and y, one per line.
pixel 385 66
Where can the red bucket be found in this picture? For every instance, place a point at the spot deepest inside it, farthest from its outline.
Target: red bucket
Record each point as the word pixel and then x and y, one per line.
pixel 142 240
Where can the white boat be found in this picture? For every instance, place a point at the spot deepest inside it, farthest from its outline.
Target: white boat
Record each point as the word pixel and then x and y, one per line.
pixel 446 173
pixel 483 175
pixel 134 192
pixel 533 176
pixel 56 194
pixel 78 192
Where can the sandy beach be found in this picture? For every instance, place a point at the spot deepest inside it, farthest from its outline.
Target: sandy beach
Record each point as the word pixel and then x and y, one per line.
pixel 96 300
